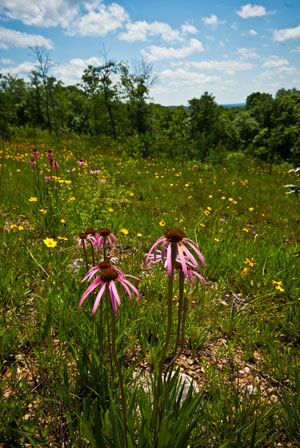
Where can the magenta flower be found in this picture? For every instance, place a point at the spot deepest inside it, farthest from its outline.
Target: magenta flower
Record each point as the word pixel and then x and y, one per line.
pixel 36 154
pixel 175 236
pixel 105 264
pixel 190 272
pixel 102 181
pixel 47 178
pixel 33 163
pixel 81 162
pixel 108 282
pixel 95 171
pixel 50 155
pixel 103 238
pixel 71 171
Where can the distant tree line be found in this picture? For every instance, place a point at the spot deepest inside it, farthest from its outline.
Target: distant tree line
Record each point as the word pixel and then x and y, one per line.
pixel 111 102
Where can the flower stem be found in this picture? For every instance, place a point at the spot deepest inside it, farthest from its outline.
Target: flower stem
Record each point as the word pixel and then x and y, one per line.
pixel 180 306
pixel 115 359
pixel 168 334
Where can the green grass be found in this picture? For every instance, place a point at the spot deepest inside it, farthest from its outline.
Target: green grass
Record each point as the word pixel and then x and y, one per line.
pixel 242 333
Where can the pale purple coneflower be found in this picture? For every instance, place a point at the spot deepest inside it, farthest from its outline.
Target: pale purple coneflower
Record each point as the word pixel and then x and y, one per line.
pixel 95 171
pixel 50 155
pixel 33 163
pixel 36 154
pixel 102 181
pixel 71 170
pixel 47 178
pixel 107 280
pixel 81 162
pixel 175 236
pixel 105 264
pixel 191 273
pixel 104 237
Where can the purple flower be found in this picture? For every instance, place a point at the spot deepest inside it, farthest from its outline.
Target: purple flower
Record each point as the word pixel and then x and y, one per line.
pixel 81 162
pixel 71 171
pixel 56 165
pixel 47 178
pixel 36 154
pixel 33 163
pixel 108 282
pixel 175 236
pixel 95 171
pixel 103 238
pixel 50 155
pixel 100 267
pixel 102 181
pixel 190 272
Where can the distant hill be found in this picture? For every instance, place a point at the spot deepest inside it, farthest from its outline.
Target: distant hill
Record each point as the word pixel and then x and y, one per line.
pixel 228 106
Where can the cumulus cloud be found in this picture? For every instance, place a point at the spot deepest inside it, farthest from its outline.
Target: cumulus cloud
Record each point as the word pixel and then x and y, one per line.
pixel 286 34
pixel 43 13
pixel 252 32
pixel 141 30
pixel 249 11
pixel 275 61
pixel 212 21
pixel 179 77
pixel 229 66
pixel 99 21
pixel 22 70
pixel 159 53
pixel 247 53
pixel 12 38
pixel 6 61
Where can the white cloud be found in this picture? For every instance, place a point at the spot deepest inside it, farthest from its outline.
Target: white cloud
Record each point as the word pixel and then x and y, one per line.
pixel 249 11
pixel 212 21
pixel 229 67
pixel 275 61
pixel 159 53
pixel 43 13
pixel 22 70
pixel 286 34
pixel 141 30
pixel 6 61
pixel 179 77
pixel 247 53
pixel 296 50
pixel 252 32
pixel 12 38
pixel 99 21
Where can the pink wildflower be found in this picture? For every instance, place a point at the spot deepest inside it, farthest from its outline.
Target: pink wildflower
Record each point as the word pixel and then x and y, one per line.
pixel 36 154
pixel 103 238
pixel 47 178
pixel 107 280
pixel 50 155
pixel 175 236
pixel 190 272
pixel 81 162
pixel 102 181
pixel 102 265
pixel 33 163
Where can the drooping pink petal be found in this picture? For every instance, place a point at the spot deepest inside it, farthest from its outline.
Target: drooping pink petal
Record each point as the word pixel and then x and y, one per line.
pixel 110 242
pixel 90 273
pixel 182 260
pixel 202 279
pixel 163 250
pixel 123 280
pixel 190 256
pixel 192 245
pixel 113 298
pixel 127 289
pixel 114 238
pixel 169 260
pixel 98 298
pixel 153 249
pixel 91 288
pixel 132 276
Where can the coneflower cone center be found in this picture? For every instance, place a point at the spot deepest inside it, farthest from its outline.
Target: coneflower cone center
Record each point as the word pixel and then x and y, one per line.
pixel 104 231
pixel 104 265
pixel 178 266
pixel 82 235
pixel 108 274
pixel 90 231
pixel 174 234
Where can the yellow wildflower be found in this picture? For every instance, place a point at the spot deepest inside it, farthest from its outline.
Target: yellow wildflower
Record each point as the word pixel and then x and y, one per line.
pixel 139 234
pixel 244 271
pixel 245 230
pixel 32 199
pixel 251 209
pixel 63 221
pixel 110 210
pixel 72 198
pixel 13 226
pixel 49 242
pixel 249 262
pixel 162 223
pixel 43 211
pixel 125 231
pixel 62 238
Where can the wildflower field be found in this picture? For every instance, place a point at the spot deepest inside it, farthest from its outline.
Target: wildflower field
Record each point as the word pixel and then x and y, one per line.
pixel 218 300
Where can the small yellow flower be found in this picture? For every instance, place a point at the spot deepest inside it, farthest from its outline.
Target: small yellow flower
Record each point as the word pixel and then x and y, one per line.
pixel 139 234
pixel 63 221
pixel 131 194
pixel 190 197
pixel 208 208
pixel 244 271
pixel 49 242
pixel 230 199
pixel 125 231
pixel 171 185
pixel 43 211
pixel 13 226
pixel 245 230
pixel 249 262
pixel 210 196
pixel 277 283
pixel 206 212
pixel 162 223
pixel 186 185
pixel 279 288
pixel 217 240
pixel 72 198
pixel 235 202
pixel 110 210
pixel 223 198
pixel 32 199
pixel 20 227
pixel 62 238
pixel 251 209
pixel 202 225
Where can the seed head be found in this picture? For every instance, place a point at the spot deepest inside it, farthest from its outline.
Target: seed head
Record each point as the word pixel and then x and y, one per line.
pixel 104 231
pixel 174 234
pixel 82 235
pixel 105 264
pixel 90 231
pixel 108 275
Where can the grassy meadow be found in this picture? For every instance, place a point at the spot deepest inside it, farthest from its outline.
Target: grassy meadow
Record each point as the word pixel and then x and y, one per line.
pixel 242 328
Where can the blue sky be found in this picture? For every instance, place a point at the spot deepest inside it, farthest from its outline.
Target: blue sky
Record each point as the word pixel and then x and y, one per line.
pixel 230 48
